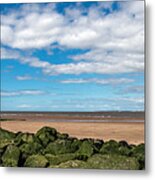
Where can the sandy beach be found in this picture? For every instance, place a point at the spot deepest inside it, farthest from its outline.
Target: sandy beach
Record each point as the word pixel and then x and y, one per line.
pixel 131 132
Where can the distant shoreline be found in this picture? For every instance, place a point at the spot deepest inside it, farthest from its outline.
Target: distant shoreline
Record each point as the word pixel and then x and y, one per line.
pixel 75 116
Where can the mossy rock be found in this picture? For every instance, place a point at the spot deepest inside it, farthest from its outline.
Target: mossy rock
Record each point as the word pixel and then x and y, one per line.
pixel 57 159
pixel 97 144
pixel 139 153
pixel 85 150
pixel 139 149
pixel 4 134
pixel 76 143
pixel 11 156
pixel 5 142
pixel 112 162
pixel 124 144
pixel 46 135
pixel 60 146
pixel 62 135
pixel 36 161
pixel 51 131
pixel 110 147
pixel 123 150
pixel 28 149
pixel 70 164
pixel 22 138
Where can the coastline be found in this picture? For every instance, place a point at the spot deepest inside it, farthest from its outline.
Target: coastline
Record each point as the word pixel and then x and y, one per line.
pixel 133 133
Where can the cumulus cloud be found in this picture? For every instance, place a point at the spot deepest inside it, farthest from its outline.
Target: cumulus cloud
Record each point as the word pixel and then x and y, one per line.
pixel 9 54
pixel 114 41
pixel 21 92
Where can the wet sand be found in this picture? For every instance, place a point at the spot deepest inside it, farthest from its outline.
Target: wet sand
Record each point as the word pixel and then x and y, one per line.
pixel 132 132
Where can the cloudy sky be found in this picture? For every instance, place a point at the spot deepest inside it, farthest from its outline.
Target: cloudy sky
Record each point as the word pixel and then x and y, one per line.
pixel 72 56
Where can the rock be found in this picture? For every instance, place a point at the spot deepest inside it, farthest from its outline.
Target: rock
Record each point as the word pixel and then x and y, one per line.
pixel 5 142
pixel 124 144
pixel 70 164
pixel 46 135
pixel 112 162
pixel 22 138
pixel 124 150
pixel 62 136
pixel 57 159
pixel 139 153
pixel 10 157
pixel 110 147
pixel 85 150
pixel 36 161
pixel 4 134
pixel 59 146
pixel 97 144
pixel 28 149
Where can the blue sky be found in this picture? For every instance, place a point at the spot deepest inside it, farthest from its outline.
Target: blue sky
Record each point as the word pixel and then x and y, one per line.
pixel 85 56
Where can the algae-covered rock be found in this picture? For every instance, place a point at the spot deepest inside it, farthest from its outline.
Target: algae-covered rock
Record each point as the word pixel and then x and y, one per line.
pixel 57 159
pixel 62 135
pixel 24 138
pixel 60 146
pixel 5 142
pixel 124 144
pixel 28 149
pixel 139 153
pixel 4 134
pixel 36 161
pixel 112 161
pixel 139 149
pixel 123 150
pixel 110 147
pixel 10 157
pixel 97 144
pixel 46 135
pixel 75 144
pixel 70 164
pixel 85 150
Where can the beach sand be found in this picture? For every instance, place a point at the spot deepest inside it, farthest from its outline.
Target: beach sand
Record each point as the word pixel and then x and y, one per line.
pixel 133 133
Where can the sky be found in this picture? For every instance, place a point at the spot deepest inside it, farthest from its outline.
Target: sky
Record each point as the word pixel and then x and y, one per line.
pixel 81 56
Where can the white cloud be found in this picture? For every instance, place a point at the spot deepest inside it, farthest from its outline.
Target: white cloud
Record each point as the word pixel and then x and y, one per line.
pixel 134 89
pixel 115 41
pixel 27 106
pixel 24 106
pixel 98 81
pixel 9 54
pixel 23 78
pixel 21 92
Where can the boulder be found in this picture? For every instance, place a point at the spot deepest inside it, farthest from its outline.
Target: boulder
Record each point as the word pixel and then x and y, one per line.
pixel 46 135
pixel 124 144
pixel 57 159
pixel 22 138
pixel 36 161
pixel 110 147
pixel 60 146
pixel 124 150
pixel 28 149
pixel 112 162
pixel 62 135
pixel 4 134
pixel 85 150
pixel 10 157
pixel 139 153
pixel 70 164
pixel 97 144
pixel 5 142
